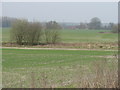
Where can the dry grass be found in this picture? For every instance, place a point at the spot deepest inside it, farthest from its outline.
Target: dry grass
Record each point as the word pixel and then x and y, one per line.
pixel 69 45
pixel 97 73
pixel 101 74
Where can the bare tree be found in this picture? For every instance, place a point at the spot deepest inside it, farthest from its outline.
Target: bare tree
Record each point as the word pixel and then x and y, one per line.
pixel 18 30
pixel 33 33
pixel 24 32
pixel 52 34
pixel 115 28
pixel 95 23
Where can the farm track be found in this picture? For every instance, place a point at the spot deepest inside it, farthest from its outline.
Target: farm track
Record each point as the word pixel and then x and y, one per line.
pixel 55 49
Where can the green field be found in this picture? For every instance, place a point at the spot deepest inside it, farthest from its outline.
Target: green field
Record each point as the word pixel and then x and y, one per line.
pixel 76 36
pixel 55 68
pixel 32 68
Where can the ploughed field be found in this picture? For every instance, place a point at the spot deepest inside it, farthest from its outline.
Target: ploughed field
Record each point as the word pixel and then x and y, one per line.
pixel 58 68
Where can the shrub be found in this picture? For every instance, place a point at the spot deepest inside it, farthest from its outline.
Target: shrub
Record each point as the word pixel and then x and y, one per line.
pixel 115 29
pixel 24 32
pixel 33 33
pixel 52 34
pixel 18 30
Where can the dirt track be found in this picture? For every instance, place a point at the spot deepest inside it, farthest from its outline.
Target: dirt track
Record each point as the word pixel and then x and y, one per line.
pixel 56 49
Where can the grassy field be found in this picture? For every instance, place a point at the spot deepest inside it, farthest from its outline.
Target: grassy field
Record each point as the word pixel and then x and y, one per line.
pixel 76 36
pixel 63 68
pixel 59 68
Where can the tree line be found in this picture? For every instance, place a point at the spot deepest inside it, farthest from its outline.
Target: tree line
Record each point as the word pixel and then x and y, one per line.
pixel 24 32
pixel 96 24
pixel 31 33
pixel 6 21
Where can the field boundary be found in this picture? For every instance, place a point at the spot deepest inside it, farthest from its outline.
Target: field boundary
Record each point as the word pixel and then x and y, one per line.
pixel 55 49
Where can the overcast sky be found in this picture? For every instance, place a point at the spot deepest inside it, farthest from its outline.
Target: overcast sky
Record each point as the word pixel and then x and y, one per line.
pixel 62 11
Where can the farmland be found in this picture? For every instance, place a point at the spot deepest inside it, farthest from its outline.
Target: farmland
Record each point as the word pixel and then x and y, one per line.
pixel 59 45
pixel 32 68
pixel 58 68
pixel 88 39
pixel 76 36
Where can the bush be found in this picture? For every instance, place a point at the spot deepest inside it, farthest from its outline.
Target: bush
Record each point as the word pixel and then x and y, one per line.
pixel 30 33
pixel 33 33
pixel 115 29
pixel 52 34
pixel 18 31
pixel 24 32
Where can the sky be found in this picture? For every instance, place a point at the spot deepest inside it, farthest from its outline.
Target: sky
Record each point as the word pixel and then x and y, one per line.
pixel 62 11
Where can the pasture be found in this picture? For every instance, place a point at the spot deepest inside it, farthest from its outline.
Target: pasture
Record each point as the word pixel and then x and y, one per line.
pixel 24 68
pixel 76 36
